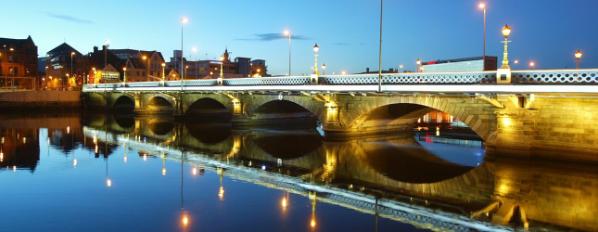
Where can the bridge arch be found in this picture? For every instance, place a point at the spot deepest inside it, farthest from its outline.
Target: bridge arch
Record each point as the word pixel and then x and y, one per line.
pixel 95 101
pixel 124 104
pixel 402 112
pixel 208 108
pixel 160 104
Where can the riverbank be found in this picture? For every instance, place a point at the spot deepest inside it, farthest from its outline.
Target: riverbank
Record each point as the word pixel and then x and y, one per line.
pixel 32 100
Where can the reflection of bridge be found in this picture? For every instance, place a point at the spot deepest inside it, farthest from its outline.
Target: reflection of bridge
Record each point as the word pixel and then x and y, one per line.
pixel 535 187
pixel 539 110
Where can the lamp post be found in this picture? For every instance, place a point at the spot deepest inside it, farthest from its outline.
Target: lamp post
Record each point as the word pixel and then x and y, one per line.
pixel 316 51
pixel 288 34
pixel 418 62
pixel 380 49
pixel 506 32
pixel 184 21
pixel 144 58
pixel 163 72
pixel 482 6
pixel 72 55
pixel 324 69
pixel 221 67
pixel 124 76
pixel 578 55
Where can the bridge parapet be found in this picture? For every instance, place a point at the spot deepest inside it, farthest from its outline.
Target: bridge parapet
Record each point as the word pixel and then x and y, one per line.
pixel 561 77
pixel 413 78
pixel 287 80
pixel 487 78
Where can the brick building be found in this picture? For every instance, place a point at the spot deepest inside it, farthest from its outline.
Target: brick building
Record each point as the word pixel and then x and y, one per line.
pixel 18 62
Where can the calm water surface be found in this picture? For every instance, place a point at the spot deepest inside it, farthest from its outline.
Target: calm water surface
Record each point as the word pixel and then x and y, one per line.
pixel 104 173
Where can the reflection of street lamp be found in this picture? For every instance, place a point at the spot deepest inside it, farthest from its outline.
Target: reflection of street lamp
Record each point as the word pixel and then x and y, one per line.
pixel 288 34
pixel 316 51
pixel 578 55
pixel 506 32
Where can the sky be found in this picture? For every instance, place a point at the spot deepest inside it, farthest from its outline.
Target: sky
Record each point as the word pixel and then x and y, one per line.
pixel 545 31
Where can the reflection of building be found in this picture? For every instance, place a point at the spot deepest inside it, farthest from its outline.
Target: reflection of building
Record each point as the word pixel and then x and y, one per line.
pixel 473 64
pixel 18 59
pixel 210 69
pixel 107 65
pixel 65 66
pixel 19 149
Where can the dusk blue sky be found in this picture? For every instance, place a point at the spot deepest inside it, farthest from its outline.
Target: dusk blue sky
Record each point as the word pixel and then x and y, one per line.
pixel 547 31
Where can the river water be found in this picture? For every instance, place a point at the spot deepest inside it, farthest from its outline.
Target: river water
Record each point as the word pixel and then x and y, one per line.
pixel 107 173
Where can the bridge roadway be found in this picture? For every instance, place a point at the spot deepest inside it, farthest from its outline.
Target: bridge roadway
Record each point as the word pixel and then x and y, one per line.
pixel 329 167
pixel 541 113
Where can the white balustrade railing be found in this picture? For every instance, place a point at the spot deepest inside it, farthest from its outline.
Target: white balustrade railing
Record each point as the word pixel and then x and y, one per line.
pixel 289 80
pixel 562 77
pixel 519 77
pixel 412 78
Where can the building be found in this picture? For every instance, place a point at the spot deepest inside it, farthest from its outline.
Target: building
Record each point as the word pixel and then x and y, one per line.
pixel 65 67
pixel 18 62
pixel 471 64
pixel 210 69
pixel 113 65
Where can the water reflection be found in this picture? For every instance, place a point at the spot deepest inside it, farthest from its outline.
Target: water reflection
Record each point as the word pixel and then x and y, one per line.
pixel 377 175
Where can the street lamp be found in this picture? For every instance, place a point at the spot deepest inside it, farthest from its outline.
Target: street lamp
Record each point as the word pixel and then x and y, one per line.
pixel 184 21
pixel 125 76
pixel 147 68
pixel 316 51
pixel 578 55
pixel 482 6
pixel 532 64
pixel 288 34
pixel 418 62
pixel 222 67
pixel 163 72
pixel 506 32
pixel 324 69
pixel 72 54
pixel 380 49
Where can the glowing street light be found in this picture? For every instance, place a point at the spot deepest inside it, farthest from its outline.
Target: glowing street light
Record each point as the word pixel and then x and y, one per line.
pixel 506 32
pixel 578 55
pixel 316 49
pixel 124 75
pixel 287 33
pixel 532 64
pixel 163 72
pixel 72 54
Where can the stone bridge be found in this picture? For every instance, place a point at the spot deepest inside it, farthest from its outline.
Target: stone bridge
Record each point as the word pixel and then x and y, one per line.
pixel 545 112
